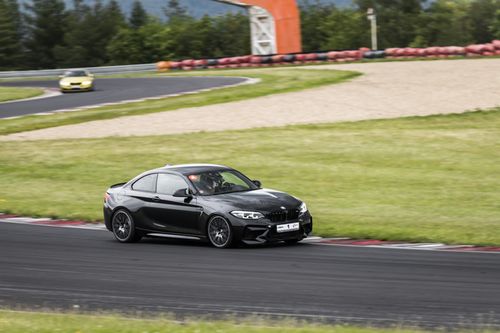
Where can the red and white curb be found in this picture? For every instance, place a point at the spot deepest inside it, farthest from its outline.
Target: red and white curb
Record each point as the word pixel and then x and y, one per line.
pixel 370 243
pixel 47 222
pixel 373 243
pixel 246 82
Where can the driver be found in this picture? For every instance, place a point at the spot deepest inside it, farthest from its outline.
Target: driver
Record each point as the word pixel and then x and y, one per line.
pixel 212 180
pixel 207 183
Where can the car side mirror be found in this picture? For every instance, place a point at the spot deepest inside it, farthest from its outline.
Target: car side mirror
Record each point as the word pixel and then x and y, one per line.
pixel 183 193
pixel 257 183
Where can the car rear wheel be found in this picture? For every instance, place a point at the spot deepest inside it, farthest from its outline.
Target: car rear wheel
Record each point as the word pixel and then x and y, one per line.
pixel 219 232
pixel 124 228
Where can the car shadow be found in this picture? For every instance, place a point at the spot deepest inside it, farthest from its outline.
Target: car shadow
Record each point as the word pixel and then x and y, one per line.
pixel 206 244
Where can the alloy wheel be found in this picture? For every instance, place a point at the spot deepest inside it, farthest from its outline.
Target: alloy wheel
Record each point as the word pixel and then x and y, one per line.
pixel 219 232
pixel 122 226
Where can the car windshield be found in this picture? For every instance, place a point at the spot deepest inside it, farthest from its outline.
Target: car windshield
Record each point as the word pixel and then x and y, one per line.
pixel 222 181
pixel 75 74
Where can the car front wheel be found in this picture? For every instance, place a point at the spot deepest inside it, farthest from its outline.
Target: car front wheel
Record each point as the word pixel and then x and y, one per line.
pixel 124 228
pixel 219 232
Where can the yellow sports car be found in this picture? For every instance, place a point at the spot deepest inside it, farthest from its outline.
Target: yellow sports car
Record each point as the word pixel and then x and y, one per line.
pixel 76 80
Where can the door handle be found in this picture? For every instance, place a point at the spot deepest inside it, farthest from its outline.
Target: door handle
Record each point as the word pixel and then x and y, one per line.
pixel 156 198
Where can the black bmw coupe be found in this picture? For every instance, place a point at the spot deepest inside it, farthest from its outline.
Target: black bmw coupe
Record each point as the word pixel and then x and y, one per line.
pixel 203 202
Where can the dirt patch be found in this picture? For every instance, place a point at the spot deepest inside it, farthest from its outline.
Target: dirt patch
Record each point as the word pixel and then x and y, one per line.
pixel 387 90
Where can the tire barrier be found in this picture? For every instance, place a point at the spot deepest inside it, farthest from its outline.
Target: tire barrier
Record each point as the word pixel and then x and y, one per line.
pixel 429 52
pixel 322 56
pixel 475 50
pixel 374 54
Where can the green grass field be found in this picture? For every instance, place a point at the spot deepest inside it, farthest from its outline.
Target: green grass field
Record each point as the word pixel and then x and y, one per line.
pixel 10 93
pixel 25 322
pixel 273 81
pixel 415 179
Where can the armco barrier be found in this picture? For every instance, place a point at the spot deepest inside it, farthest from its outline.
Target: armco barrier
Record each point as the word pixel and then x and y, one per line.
pixel 489 49
pixel 95 70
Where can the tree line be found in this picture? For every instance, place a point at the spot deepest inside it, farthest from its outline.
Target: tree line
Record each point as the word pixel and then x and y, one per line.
pixel 401 23
pixel 46 34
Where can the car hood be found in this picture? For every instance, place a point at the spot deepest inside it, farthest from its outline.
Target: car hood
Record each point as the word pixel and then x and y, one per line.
pixel 262 200
pixel 69 80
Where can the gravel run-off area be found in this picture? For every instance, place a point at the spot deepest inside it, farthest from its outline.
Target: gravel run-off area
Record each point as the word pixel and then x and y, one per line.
pixel 386 90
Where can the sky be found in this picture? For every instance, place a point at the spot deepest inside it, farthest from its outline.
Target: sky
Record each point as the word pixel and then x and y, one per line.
pixel 195 7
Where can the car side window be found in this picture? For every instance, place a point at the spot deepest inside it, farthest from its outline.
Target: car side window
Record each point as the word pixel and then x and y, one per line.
pixel 146 183
pixel 169 184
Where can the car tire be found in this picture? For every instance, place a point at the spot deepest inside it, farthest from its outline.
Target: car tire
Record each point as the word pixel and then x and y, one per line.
pixel 219 232
pixel 123 227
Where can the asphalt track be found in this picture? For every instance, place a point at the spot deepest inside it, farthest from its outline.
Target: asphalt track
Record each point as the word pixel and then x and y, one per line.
pixel 61 268
pixel 108 91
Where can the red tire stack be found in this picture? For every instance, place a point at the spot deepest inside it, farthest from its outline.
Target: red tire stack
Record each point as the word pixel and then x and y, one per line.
pixel 496 45
pixel 475 50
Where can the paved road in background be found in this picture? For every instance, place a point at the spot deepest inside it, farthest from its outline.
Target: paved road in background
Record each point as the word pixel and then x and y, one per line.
pixel 60 268
pixel 108 91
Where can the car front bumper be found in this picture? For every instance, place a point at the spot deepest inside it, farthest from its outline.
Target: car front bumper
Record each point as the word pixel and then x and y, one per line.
pixel 77 88
pixel 265 231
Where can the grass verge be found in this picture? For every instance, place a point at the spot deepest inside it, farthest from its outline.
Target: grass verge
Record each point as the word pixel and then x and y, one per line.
pixel 273 81
pixel 417 179
pixel 26 322
pixel 10 94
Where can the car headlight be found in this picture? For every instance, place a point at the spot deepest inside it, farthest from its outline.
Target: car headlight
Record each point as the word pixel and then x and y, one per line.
pixel 247 215
pixel 303 208
pixel 86 83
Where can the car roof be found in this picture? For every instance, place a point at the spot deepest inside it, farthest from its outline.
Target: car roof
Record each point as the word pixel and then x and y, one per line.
pixel 188 169
pixel 183 169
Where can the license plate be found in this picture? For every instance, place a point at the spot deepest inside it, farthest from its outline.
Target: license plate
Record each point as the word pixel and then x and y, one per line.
pixel 288 227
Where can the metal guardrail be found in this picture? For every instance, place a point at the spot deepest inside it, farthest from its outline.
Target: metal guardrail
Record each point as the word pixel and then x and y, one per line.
pixel 94 70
